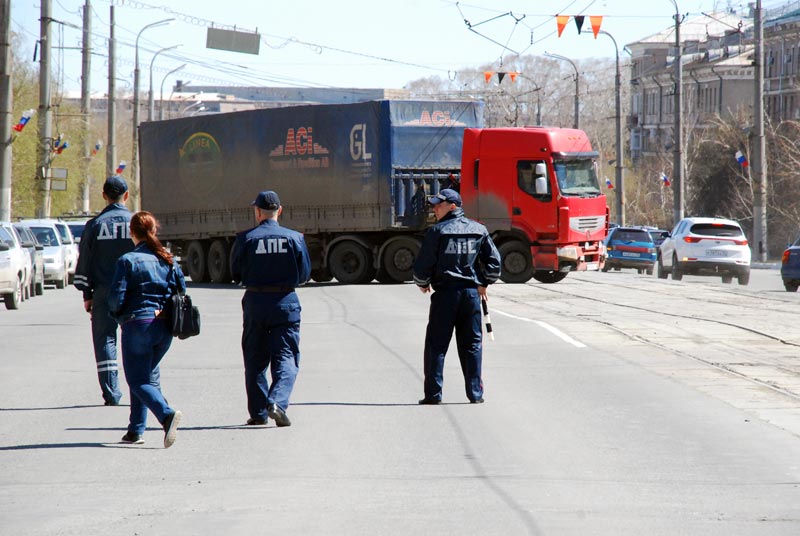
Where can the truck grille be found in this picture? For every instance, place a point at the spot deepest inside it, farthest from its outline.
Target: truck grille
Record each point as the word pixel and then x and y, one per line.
pixel 588 223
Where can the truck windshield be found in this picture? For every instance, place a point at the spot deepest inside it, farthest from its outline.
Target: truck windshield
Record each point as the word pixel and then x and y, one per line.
pixel 577 177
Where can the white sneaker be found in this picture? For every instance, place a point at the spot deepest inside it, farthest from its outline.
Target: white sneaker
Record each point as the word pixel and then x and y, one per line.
pixel 171 428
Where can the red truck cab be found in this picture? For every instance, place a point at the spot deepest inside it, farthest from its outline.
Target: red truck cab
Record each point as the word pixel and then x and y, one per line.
pixel 536 189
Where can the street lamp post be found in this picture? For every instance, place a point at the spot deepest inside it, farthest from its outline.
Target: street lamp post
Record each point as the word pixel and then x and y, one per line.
pixel 135 135
pixel 161 98
pixel 576 122
pixel 618 169
pixel 150 97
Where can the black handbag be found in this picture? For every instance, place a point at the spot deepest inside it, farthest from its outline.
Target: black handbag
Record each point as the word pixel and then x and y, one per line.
pixel 184 317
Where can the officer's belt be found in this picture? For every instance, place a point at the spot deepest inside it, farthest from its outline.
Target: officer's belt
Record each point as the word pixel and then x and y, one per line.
pixel 262 288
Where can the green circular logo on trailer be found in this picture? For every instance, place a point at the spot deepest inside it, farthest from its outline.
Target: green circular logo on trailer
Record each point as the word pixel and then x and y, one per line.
pixel 200 164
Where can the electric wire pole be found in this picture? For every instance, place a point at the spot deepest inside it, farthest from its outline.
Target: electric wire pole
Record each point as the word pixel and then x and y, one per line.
pixel 759 150
pixel 86 102
pixel 6 109
pixel 678 182
pixel 111 142
pixel 45 111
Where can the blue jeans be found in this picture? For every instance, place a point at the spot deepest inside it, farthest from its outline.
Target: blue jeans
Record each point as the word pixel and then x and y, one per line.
pixel 458 309
pixel 270 338
pixel 144 343
pixel 104 340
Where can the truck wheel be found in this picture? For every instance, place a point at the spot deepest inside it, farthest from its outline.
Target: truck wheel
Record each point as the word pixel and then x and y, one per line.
pixel 351 263
pixel 548 276
pixel 677 275
pixel 398 259
pixel 323 275
pixel 196 261
pixel 516 263
pixel 218 262
pixel 14 298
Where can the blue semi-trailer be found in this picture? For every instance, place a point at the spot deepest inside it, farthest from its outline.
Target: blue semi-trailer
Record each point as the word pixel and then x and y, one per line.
pixel 351 177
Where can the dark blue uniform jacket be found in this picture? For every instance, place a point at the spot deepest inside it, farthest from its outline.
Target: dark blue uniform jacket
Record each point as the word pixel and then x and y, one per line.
pixel 106 238
pixel 270 255
pixel 457 252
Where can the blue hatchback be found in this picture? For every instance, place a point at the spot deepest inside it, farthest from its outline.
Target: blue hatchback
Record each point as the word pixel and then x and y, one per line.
pixel 790 267
pixel 630 247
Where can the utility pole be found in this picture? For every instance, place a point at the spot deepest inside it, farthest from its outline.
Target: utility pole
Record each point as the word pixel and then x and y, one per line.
pixel 111 145
pixel 678 182
pixel 86 102
pixel 45 112
pixel 6 109
pixel 758 142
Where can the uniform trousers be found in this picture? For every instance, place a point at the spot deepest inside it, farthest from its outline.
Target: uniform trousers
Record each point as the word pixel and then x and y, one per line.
pixel 459 309
pixel 270 338
pixel 144 343
pixel 104 340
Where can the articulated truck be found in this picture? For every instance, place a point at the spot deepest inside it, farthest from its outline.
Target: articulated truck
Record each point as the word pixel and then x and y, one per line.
pixel 354 179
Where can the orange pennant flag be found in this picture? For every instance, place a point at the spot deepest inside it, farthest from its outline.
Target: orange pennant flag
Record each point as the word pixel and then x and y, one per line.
pixel 596 21
pixel 513 76
pixel 561 21
pixel 487 75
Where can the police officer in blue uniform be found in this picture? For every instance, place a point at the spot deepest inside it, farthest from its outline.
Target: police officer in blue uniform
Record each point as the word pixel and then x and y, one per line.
pixel 459 260
pixel 105 239
pixel 270 261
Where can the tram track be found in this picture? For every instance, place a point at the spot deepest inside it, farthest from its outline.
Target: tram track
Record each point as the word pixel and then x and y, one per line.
pixel 756 355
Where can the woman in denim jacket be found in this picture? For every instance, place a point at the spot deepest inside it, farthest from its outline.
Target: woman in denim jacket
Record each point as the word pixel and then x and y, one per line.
pixel 143 281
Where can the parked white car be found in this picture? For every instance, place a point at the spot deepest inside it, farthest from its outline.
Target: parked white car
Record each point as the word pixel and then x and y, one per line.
pixel 55 254
pixel 71 248
pixel 13 265
pixel 705 246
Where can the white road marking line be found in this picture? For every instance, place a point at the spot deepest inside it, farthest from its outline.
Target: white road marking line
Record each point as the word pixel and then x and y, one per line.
pixel 555 331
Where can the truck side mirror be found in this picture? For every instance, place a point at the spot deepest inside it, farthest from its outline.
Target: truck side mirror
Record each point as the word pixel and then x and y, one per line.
pixel 541 185
pixel 541 178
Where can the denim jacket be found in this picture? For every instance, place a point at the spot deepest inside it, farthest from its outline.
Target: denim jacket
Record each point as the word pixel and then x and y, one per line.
pixel 142 284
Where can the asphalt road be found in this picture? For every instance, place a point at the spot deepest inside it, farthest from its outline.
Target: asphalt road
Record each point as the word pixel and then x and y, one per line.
pixel 593 423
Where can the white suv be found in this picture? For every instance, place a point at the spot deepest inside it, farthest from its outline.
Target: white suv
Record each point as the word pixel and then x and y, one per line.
pixel 13 266
pixel 705 246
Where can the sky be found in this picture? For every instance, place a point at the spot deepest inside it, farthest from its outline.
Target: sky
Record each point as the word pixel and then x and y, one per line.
pixel 343 43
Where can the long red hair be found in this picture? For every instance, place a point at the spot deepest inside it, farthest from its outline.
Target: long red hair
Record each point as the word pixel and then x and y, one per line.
pixel 143 227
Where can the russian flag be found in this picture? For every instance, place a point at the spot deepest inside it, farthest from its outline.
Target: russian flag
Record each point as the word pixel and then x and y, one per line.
pixel 742 159
pixel 121 167
pixel 665 179
pixel 609 185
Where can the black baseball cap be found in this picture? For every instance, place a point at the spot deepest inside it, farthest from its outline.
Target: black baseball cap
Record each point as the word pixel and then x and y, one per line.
pixel 267 200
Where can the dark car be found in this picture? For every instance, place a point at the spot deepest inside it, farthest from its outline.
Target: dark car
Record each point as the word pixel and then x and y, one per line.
pixel 658 235
pixel 790 267
pixel 630 247
pixel 31 243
